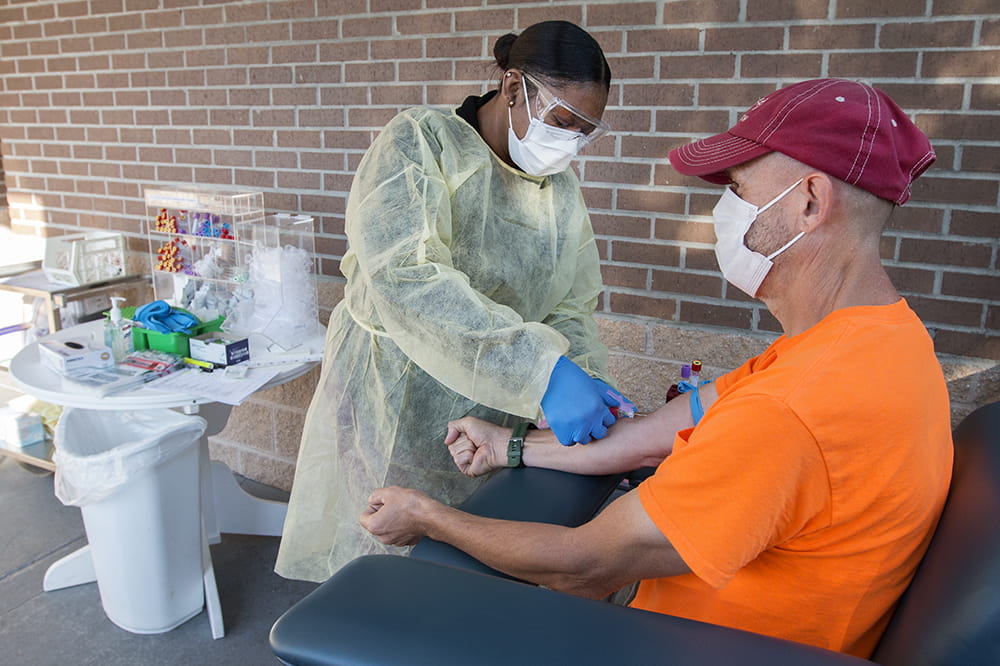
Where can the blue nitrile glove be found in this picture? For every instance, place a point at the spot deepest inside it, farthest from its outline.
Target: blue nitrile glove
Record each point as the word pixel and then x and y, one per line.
pixel 160 317
pixel 574 406
pixel 615 400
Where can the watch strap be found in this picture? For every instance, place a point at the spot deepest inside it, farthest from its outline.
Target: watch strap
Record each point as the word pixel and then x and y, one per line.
pixel 515 445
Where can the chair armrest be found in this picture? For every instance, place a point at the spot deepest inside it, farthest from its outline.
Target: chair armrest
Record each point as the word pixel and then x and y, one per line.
pixel 525 494
pixel 383 609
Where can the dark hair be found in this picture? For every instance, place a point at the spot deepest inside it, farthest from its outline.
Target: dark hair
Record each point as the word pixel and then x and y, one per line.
pixel 554 50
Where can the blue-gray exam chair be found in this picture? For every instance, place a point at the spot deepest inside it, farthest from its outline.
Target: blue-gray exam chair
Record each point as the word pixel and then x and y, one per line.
pixel 440 606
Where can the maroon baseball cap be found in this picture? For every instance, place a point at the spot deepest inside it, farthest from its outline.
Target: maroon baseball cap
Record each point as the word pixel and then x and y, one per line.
pixel 847 129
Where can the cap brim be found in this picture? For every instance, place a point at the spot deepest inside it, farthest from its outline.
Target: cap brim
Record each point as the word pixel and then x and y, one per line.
pixel 709 158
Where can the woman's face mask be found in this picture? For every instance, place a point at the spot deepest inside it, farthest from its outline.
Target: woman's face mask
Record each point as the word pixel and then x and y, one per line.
pixel 546 148
pixel 741 266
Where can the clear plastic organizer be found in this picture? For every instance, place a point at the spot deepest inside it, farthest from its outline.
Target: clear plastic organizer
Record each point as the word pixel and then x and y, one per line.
pixel 84 258
pixel 196 245
pixel 216 254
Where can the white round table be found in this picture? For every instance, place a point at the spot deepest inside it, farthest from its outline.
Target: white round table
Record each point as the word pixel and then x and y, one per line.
pixel 226 507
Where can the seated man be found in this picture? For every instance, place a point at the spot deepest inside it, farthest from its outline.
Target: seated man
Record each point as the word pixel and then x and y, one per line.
pixel 802 502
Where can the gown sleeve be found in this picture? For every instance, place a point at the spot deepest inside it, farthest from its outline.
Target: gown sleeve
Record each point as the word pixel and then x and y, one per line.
pixel 399 222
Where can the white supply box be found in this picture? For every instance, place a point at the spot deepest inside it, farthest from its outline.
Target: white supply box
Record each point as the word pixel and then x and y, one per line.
pixel 72 357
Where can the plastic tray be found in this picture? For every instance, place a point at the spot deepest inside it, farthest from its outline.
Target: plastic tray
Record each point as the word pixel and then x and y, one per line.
pixel 172 343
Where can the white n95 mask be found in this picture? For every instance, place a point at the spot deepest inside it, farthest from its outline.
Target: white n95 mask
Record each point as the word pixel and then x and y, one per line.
pixel 545 149
pixel 741 266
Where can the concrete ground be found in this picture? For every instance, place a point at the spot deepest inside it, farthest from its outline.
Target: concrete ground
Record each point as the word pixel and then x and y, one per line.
pixel 69 626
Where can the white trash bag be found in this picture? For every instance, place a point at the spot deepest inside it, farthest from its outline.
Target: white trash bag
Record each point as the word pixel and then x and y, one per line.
pixel 98 451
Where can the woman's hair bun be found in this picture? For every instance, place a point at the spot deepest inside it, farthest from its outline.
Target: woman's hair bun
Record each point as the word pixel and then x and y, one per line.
pixel 501 50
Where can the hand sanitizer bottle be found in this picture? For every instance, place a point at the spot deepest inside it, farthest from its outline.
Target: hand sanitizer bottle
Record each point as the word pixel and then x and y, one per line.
pixel 118 332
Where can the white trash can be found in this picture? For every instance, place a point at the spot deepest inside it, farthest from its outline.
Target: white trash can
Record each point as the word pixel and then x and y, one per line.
pixel 135 477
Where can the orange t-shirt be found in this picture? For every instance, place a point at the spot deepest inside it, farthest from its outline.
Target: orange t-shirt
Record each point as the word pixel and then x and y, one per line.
pixel 806 497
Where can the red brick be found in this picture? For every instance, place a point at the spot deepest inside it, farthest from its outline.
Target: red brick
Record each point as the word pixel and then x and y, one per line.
pixel 955 190
pixel 206 97
pixel 573 13
pixel 425 70
pixel 973 223
pixel 914 218
pixel 935 34
pixel 980 158
pixel 237 76
pixel 787 10
pixel 620 225
pixel 649 200
pixel 693 121
pixel 685 230
pixel 618 172
pixel 633 304
pixel 183 38
pixel 369 72
pixel 645 253
pixel 321 117
pixel 257 179
pixel 213 176
pixel 161 20
pixel 696 11
pixel 622 14
pixel 193 156
pixel 233 158
pixel 958 127
pixel 913 280
pixel 989 34
pixel 424 24
pixel 347 139
pixel 987 7
pixel 715 314
pixel 686 282
pixel 376 118
pixel 889 64
pixel 379 6
pixel 986 97
pixel 710 66
pixel 203 16
pixel 852 9
pixel 944 252
pixel 298 180
pixel 292 9
pixel 491 20
pixel 950 312
pixel 267 33
pixel 971 285
pixel 270 75
pixel 756 38
pixel 782 65
pixel 367 27
pixel 963 343
pixel 270 117
pixel 624 276
pixel 955 63
pixel 924 95
pixel 252 55
pixel 225 35
pixel 455 47
pixel 829 37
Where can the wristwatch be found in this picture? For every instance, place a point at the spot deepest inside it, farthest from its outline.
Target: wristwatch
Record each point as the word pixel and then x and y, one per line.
pixel 515 445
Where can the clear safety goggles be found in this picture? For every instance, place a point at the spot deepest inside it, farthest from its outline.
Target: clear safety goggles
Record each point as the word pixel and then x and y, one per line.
pixel 557 112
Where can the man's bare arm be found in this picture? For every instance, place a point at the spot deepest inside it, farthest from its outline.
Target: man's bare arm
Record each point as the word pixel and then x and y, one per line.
pixel 479 447
pixel 618 547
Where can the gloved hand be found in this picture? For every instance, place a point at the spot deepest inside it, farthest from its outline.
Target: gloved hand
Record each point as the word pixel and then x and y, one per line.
pixel 620 406
pixel 573 405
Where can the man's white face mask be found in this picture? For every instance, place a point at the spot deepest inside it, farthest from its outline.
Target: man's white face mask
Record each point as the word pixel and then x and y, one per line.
pixel 741 266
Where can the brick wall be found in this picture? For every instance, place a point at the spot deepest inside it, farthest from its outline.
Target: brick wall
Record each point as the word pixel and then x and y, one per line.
pixel 99 98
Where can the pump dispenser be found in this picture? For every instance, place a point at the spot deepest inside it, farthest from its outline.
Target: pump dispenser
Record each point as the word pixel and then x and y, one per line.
pixel 118 331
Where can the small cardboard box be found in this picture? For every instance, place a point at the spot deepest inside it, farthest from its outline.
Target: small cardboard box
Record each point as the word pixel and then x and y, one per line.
pixel 19 429
pixel 69 356
pixel 220 349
